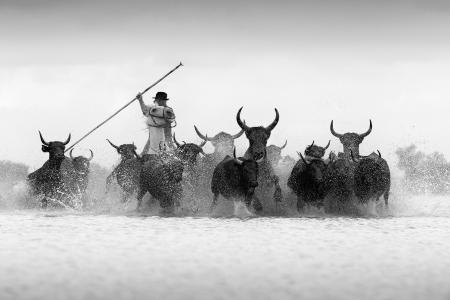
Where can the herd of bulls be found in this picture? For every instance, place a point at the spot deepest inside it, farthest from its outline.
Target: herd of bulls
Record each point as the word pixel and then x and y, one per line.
pixel 333 182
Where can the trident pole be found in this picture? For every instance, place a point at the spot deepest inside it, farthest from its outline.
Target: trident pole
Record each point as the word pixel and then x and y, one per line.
pixel 123 107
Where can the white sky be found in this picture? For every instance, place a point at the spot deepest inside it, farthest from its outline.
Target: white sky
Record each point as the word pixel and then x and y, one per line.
pixel 64 67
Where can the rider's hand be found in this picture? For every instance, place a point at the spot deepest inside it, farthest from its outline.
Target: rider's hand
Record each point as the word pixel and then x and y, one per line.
pixel 139 96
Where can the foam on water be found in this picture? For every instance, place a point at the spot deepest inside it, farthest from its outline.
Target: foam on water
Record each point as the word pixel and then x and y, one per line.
pixel 111 251
pixel 61 255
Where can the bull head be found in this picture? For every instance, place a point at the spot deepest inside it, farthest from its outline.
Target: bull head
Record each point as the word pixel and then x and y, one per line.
pixel 189 151
pixel 89 159
pixel 126 151
pixel 351 141
pixel 222 142
pixel 315 168
pixel 316 151
pixel 274 153
pixel 55 149
pixel 81 163
pixel 257 136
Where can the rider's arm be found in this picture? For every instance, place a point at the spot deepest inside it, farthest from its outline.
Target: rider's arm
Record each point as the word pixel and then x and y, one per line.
pixel 144 107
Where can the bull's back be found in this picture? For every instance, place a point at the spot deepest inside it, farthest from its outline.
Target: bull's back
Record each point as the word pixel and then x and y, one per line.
pixel 128 173
pixel 294 176
pixel 226 178
pixel 161 173
pixel 338 179
pixel 372 178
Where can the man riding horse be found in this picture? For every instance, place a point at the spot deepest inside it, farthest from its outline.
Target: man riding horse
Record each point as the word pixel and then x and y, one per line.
pixel 160 120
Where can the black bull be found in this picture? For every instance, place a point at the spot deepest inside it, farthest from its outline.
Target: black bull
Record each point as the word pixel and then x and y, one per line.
pixel 366 178
pixel 307 177
pixel 127 172
pixel 81 167
pixel 59 176
pixel 372 178
pixel 161 177
pixel 257 150
pixel 235 178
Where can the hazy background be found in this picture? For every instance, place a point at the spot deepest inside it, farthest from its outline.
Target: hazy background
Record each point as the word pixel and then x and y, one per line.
pixel 65 66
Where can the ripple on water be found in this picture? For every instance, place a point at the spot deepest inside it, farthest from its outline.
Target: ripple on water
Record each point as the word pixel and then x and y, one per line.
pixel 81 256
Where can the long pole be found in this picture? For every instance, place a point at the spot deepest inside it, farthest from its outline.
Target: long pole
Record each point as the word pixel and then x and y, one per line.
pixel 123 107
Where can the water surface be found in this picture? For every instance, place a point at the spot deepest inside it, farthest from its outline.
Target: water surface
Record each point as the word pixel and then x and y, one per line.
pixel 61 255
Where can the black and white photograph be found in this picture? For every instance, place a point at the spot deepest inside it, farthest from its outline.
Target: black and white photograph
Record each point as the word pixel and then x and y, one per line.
pixel 203 149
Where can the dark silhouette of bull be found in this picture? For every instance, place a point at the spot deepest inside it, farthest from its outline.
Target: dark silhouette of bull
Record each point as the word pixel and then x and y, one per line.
pixel 338 185
pixel 188 152
pixel 48 180
pixel 222 142
pixel 339 177
pixel 351 141
pixel 372 178
pixel 235 178
pixel 81 166
pixel 274 153
pixel 161 177
pixel 307 177
pixel 257 150
pixel 127 172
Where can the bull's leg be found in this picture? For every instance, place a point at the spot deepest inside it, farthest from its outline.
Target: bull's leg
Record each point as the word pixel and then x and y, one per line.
pixel 214 202
pixel 108 182
pixel 125 196
pixel 249 196
pixel 386 194
pixel 300 204
pixel 44 202
pixel 257 204
pixel 139 197
pixel 386 199
pixel 277 195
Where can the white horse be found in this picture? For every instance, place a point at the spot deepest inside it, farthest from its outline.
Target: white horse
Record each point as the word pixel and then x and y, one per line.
pixel 159 121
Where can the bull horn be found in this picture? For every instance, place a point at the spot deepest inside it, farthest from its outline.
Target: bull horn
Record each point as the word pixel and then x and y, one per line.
pixel 68 140
pixel 42 139
pixel 301 156
pixel 135 154
pixel 175 140
pixel 328 145
pixel 275 122
pixel 203 137
pixel 117 148
pixel 379 154
pixel 368 131
pixel 353 158
pixel 284 146
pixel 239 121
pixel 312 144
pixel 338 135
pixel 203 143
pixel 237 135
pixel 70 153
pixel 92 155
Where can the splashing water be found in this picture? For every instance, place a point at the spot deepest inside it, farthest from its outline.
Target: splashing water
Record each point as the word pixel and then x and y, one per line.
pixel 107 250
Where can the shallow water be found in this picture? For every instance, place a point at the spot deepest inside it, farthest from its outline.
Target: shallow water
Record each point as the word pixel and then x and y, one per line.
pixel 59 255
